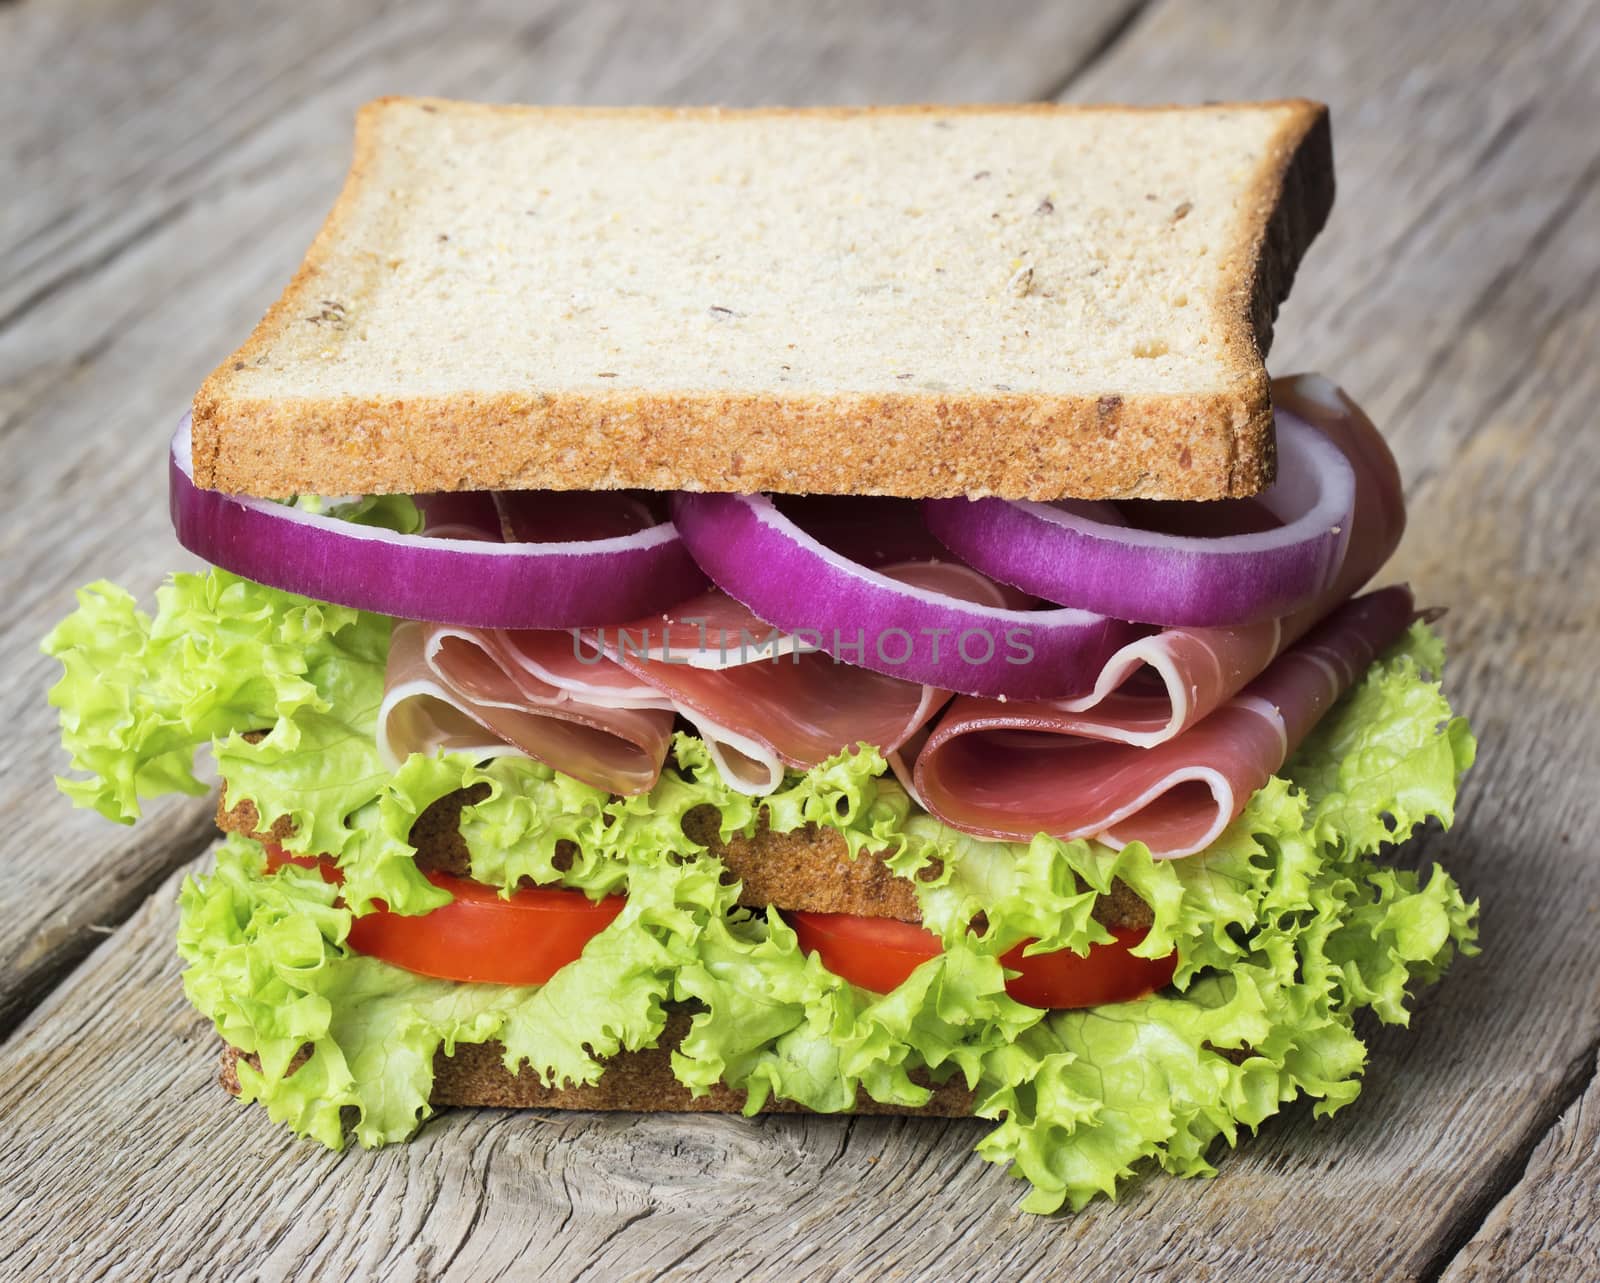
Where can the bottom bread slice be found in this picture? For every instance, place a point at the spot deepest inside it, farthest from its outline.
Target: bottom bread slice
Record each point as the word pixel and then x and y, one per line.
pixel 634 1081
pixel 809 869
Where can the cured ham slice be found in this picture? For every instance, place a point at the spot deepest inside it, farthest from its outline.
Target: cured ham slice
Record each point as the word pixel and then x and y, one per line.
pixel 600 706
pixel 538 516
pixel 418 713
pixel 1196 669
pixel 872 530
pixel 1177 797
pixel 467 691
pixel 559 516
pixel 681 658
pixel 763 700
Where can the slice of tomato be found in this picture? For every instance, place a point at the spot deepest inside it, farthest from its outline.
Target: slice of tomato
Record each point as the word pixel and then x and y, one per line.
pixel 879 953
pixel 523 940
pixel 1107 973
pixel 875 953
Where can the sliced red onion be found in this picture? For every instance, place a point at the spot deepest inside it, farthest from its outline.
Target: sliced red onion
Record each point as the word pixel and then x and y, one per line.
pixel 475 583
pixel 788 578
pixel 1082 555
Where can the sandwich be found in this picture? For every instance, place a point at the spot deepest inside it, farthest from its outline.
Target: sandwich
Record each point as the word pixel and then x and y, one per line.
pixel 815 610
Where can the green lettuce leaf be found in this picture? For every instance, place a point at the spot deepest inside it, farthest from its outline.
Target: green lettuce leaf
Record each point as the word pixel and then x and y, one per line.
pixel 140 695
pixel 222 656
pixel 1388 758
pixel 397 512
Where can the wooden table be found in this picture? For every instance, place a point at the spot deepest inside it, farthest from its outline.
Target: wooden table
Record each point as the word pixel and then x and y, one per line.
pixel 164 166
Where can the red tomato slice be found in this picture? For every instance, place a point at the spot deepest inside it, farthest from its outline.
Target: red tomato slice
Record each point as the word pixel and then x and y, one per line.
pixel 523 940
pixel 875 953
pixel 879 953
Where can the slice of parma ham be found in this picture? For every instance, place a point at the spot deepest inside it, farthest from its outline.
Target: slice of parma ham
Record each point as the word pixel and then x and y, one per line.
pixel 472 691
pixel 1178 796
pixel 600 705
pixel 762 700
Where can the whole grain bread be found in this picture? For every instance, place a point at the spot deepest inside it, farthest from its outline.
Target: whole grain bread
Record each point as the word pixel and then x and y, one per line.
pixel 809 869
pixel 634 1081
pixel 1029 301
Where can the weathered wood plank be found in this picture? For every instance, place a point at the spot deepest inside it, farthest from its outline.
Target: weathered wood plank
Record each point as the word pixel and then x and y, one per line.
pixel 1463 305
pixel 166 168
pixel 1548 1226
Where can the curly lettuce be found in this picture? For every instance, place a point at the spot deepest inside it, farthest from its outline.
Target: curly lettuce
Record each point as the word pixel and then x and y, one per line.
pixel 1284 929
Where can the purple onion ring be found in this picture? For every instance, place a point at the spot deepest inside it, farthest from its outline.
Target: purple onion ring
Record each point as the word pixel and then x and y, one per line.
pixel 470 583
pixel 786 577
pixel 1068 553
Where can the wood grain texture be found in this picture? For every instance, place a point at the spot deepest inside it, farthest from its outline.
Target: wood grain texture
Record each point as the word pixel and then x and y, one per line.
pixel 1457 294
pixel 164 168
pixel 1545 1227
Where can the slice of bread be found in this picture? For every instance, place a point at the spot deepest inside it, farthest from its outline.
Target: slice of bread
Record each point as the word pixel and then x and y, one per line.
pixel 809 869
pixel 1028 301
pixel 634 1081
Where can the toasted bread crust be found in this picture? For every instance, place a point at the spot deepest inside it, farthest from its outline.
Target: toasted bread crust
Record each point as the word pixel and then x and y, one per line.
pixel 809 869
pixel 1030 445
pixel 633 1082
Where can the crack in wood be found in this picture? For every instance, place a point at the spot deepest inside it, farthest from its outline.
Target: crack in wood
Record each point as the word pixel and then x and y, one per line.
pixel 92 265
pixel 1115 32
pixel 32 983
pixel 1575 1081
pixel 479 1205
